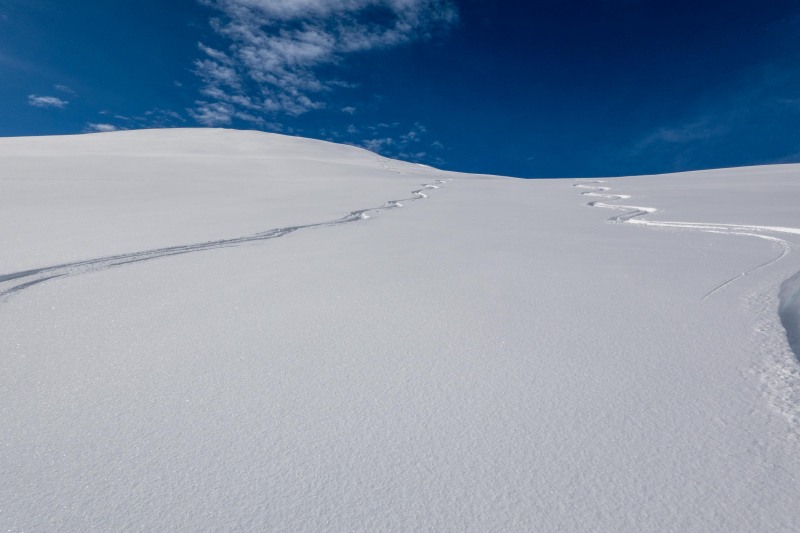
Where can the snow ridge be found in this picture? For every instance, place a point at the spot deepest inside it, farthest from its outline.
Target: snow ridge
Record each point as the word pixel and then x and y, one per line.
pixel 16 282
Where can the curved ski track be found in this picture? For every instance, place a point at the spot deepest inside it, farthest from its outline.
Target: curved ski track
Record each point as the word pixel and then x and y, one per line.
pixel 780 375
pixel 15 282
pixel 635 215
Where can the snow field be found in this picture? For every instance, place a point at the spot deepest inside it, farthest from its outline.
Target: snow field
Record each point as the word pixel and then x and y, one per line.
pixel 497 356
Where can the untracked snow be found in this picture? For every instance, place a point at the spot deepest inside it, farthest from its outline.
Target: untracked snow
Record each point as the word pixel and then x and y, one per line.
pixel 206 330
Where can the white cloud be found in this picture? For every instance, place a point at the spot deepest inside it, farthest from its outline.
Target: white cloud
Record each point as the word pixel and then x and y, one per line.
pixel 276 48
pixel 159 118
pixel 350 110
pixel 152 118
pixel 408 146
pixel 213 114
pixel 65 89
pixel 101 128
pixel 685 133
pixel 377 145
pixel 46 101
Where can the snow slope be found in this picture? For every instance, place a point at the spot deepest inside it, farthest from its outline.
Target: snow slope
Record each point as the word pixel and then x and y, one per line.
pixel 214 330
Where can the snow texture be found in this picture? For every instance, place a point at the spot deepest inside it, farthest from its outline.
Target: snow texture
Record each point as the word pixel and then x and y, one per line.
pixel 208 330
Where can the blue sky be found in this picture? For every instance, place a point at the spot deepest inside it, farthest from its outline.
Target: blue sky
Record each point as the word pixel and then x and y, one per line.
pixel 550 88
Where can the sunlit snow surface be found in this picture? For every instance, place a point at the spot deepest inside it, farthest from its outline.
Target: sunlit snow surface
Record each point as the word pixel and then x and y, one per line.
pixel 206 330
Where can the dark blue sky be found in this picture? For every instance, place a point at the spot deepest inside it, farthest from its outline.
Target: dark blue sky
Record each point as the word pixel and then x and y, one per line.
pixel 545 88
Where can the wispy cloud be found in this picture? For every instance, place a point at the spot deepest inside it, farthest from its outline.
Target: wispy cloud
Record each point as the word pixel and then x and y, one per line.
pixel 726 130
pixel 65 89
pixel 790 158
pixel 410 146
pixel 46 101
pixel 152 118
pixel 100 128
pixel 705 128
pixel 275 50
pixel 214 113
pixel 378 145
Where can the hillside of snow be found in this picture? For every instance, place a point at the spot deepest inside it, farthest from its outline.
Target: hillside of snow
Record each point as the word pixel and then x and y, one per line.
pixel 207 330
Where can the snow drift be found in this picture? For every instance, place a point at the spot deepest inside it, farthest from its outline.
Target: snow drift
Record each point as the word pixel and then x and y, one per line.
pixel 789 311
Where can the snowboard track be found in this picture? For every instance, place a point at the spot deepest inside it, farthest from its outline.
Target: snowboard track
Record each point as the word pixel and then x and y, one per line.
pixel 16 282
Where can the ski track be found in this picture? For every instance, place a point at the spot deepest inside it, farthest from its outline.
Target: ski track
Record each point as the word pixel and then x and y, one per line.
pixel 15 282
pixel 780 374
pixel 634 215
